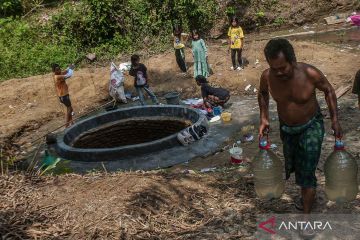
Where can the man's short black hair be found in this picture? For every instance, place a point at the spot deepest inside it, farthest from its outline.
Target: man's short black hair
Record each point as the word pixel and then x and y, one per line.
pixel 201 79
pixel 135 58
pixel 54 66
pixel 275 46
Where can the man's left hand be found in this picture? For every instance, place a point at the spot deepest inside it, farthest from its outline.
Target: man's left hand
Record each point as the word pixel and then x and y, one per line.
pixel 337 129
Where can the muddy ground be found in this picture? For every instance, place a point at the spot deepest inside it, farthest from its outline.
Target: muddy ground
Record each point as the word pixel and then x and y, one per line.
pixel 164 204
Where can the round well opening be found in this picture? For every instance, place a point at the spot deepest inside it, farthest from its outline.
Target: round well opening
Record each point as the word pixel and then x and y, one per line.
pixel 125 133
pixel 129 132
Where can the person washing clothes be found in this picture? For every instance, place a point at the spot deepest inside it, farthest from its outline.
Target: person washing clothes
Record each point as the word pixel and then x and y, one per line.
pixel 212 96
pixel 62 89
pixel 139 72
pixel 236 43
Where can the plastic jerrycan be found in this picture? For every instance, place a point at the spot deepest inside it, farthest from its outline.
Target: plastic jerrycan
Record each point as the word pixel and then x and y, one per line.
pixel 341 171
pixel 267 169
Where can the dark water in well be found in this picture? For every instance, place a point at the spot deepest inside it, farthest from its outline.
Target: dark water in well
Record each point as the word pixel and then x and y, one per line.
pixel 129 132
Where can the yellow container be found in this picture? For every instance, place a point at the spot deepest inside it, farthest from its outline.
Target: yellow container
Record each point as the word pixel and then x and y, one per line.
pixel 226 116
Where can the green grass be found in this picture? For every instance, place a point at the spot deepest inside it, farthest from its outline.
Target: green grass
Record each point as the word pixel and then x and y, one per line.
pixel 25 51
pixel 108 28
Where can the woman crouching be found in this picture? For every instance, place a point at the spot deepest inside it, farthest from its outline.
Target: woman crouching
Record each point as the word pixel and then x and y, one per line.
pixel 212 96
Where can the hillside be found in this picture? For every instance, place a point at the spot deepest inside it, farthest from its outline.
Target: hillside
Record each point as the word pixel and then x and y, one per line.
pixel 38 33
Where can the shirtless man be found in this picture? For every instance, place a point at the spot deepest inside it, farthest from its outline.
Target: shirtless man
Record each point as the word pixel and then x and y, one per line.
pixel 292 85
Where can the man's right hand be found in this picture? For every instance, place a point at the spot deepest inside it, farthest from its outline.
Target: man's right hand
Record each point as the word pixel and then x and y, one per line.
pixel 264 128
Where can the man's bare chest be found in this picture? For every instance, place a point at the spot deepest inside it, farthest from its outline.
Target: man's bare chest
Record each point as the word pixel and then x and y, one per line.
pixel 295 91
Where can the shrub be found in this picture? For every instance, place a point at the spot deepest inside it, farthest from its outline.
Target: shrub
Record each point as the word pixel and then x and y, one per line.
pixel 28 51
pixel 10 8
pixel 106 27
pixel 279 21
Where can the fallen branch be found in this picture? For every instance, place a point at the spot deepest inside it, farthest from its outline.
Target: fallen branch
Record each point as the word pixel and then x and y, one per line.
pixel 342 90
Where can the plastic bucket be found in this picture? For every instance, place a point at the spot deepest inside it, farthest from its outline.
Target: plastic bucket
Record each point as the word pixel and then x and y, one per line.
pixel 217 111
pixel 236 154
pixel 172 98
pixel 226 116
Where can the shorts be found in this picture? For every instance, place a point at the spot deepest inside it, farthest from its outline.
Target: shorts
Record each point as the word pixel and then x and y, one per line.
pixel 302 149
pixel 65 100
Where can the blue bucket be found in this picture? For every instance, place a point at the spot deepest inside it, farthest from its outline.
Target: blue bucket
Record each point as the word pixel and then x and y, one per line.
pixel 217 111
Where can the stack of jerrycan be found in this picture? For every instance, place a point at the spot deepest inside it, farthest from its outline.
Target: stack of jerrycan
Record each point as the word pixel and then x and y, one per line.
pixel 267 169
pixel 341 170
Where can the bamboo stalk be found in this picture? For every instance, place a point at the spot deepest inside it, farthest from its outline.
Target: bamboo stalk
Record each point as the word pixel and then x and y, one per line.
pixel 33 163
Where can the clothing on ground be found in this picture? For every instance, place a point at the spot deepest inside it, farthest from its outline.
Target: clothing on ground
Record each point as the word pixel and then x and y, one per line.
pixel 65 100
pixel 200 62
pixel 356 86
pixel 215 101
pixel 180 59
pixel 147 89
pixel 140 75
pixel 207 90
pixel 355 20
pixel 236 34
pixel 302 149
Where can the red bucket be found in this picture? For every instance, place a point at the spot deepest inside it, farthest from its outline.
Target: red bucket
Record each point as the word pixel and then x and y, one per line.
pixel 236 161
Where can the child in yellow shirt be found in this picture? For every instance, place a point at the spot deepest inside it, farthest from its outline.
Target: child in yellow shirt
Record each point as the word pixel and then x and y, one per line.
pixel 236 42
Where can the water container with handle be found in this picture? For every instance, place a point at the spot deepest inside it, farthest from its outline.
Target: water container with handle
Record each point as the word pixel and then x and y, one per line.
pixel 236 156
pixel 340 175
pixel 172 98
pixel 267 169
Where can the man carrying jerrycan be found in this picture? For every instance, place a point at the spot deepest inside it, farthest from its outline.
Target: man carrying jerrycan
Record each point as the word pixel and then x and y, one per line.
pixel 292 85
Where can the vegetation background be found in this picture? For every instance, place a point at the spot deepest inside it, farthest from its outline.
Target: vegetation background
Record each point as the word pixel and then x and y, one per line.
pixel 36 33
